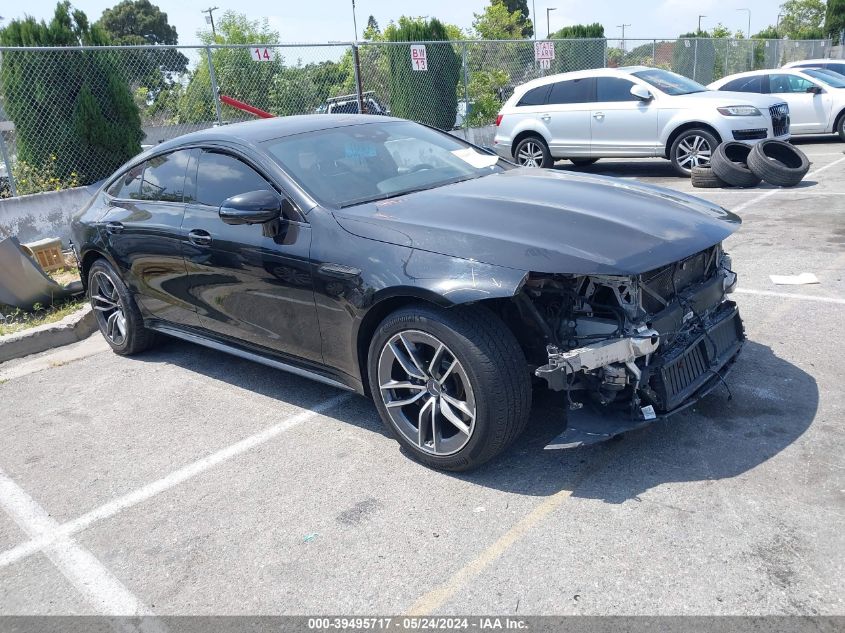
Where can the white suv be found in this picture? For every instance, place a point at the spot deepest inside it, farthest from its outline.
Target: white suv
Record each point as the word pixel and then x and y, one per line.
pixel 816 96
pixel 630 112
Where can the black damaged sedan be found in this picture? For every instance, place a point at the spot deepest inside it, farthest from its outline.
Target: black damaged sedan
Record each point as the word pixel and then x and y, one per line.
pixel 382 256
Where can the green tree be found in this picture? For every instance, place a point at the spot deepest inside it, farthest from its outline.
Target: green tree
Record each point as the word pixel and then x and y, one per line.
pixel 238 75
pixel 803 19
pixel 834 19
pixel 74 112
pixel 425 96
pixel 519 7
pixel 372 32
pixel 587 52
pixel 497 23
pixel 153 73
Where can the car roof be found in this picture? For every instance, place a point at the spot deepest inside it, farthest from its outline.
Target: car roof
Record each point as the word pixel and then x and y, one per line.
pixel 255 132
pixel 753 73
pixel 818 60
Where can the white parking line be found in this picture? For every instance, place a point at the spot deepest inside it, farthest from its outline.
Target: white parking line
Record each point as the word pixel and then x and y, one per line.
pixel 789 295
pixel 45 538
pixel 772 192
pixel 96 583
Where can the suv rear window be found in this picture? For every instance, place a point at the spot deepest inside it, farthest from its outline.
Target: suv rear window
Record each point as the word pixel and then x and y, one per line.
pixel 535 96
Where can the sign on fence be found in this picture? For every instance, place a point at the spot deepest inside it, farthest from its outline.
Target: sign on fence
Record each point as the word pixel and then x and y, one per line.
pixel 544 52
pixel 261 54
pixel 419 60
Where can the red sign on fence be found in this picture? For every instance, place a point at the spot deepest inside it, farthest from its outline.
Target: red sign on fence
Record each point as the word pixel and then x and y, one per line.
pixel 419 59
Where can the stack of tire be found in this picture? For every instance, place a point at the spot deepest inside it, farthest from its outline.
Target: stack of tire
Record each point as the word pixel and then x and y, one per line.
pixel 737 164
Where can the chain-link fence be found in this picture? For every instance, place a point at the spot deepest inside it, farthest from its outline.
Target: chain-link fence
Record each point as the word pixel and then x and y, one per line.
pixel 71 116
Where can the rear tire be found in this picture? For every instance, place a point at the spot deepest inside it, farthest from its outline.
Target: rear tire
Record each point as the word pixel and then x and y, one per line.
pixel 778 163
pixel 532 151
pixel 117 314
pixel 730 163
pixel 692 148
pixel 459 363
pixel 840 127
pixel 583 162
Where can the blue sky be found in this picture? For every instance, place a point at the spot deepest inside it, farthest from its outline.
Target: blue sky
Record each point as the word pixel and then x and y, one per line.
pixel 325 20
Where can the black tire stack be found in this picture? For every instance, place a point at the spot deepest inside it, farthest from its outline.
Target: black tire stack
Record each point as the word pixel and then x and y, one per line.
pixel 741 165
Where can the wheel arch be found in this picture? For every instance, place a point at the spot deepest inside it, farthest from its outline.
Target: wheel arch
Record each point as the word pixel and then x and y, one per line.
pixel 87 260
pixel 525 134
pixel 837 119
pixel 684 127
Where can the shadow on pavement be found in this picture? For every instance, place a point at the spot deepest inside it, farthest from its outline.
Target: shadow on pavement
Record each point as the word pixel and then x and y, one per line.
pixel 773 404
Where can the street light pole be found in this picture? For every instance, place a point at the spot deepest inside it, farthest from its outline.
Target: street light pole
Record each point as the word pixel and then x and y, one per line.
pixel 210 18
pixel 548 27
pixel 354 20
pixel 534 18
pixel 749 21
pixel 699 23
pixel 622 26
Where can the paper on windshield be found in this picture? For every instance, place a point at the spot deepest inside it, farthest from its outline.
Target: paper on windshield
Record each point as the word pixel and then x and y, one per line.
pixel 476 159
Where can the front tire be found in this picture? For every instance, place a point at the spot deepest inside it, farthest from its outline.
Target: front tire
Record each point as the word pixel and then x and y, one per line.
pixel 452 386
pixel 532 151
pixel 118 316
pixel 692 148
pixel 840 127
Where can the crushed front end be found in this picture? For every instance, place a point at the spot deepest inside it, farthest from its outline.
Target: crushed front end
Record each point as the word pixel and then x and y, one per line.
pixel 626 350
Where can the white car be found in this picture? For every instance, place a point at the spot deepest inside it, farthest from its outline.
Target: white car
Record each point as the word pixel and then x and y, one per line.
pixel 816 97
pixel 836 65
pixel 630 112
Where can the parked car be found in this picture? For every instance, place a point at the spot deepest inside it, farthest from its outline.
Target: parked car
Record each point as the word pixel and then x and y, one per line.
pixel 391 259
pixel 816 97
pixel 836 65
pixel 629 112
pixel 348 104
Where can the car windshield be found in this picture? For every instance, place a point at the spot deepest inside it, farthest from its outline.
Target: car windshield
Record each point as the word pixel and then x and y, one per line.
pixel 835 80
pixel 350 165
pixel 669 82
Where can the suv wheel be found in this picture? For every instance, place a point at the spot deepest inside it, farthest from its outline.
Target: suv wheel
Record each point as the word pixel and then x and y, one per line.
pixel 118 316
pixel 532 151
pixel 452 386
pixel 840 128
pixel 692 148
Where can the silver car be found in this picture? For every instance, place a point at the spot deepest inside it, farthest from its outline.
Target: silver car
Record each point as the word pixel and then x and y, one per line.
pixel 630 112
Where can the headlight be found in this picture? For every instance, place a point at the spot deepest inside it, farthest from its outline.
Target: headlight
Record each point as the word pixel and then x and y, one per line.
pixel 739 110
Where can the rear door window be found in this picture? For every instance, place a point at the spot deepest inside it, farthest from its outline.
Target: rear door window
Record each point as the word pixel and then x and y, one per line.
pixel 745 84
pixel 164 177
pixel 128 186
pixel 788 84
pixel 572 91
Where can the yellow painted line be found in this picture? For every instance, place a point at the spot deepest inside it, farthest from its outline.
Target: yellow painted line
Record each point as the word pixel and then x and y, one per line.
pixel 436 597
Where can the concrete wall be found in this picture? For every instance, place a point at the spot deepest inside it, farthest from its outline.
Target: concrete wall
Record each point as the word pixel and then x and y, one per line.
pixel 41 215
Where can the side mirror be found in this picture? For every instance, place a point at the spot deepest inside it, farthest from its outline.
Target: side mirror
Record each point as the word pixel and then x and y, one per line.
pixel 816 90
pixel 641 92
pixel 253 207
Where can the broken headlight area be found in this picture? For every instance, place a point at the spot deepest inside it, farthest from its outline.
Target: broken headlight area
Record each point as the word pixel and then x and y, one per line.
pixel 640 346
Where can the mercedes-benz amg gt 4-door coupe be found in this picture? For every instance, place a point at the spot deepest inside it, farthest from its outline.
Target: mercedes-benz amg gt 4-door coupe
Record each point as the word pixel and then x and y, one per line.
pixel 394 260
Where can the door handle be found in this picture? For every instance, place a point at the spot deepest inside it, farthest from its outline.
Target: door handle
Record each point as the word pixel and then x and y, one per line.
pixel 198 237
pixel 114 227
pixel 545 117
pixel 598 115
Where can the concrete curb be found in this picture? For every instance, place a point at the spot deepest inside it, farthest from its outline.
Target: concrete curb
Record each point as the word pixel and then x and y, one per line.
pixel 74 327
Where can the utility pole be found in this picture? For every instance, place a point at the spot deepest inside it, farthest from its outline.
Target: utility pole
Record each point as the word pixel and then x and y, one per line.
pixel 533 19
pixel 548 27
pixel 622 26
pixel 209 19
pixel 699 23
pixel 354 20
pixel 749 21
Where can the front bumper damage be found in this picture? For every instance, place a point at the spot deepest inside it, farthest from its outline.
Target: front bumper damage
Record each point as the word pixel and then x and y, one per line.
pixel 656 368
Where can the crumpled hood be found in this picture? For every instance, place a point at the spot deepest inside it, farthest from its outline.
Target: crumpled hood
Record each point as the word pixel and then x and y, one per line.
pixel 548 221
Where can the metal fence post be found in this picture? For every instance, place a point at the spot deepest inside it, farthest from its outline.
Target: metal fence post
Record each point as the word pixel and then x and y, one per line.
pixel 466 87
pixel 359 86
pixel 215 91
pixel 12 188
pixel 654 52
pixel 842 44
pixel 695 61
